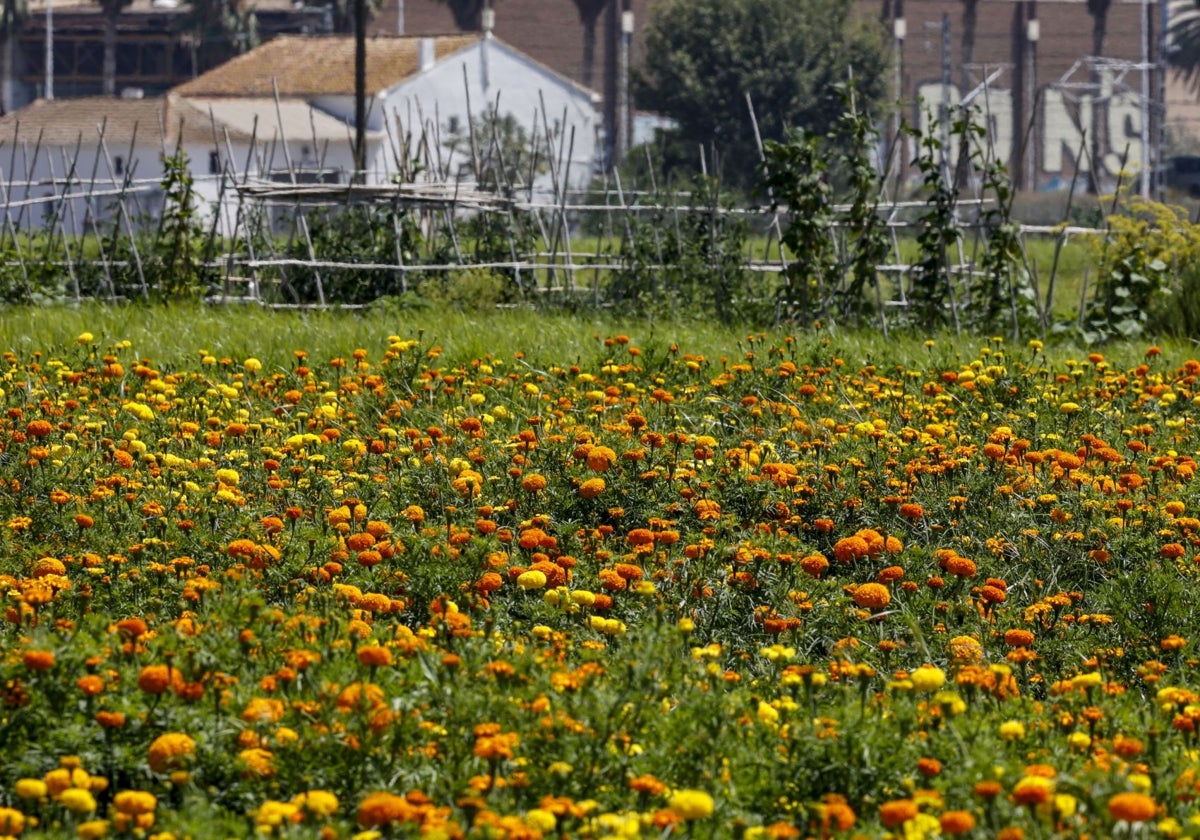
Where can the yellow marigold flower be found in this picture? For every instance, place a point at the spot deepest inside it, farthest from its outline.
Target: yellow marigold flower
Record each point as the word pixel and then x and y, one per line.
pixel 927 678
pixel 1012 730
pixel 78 801
pixel 318 803
pixel 541 820
pixel 12 821
pixel 273 813
pixel 257 762
pixel 533 579
pixel 92 829
pixel 141 411
pixel 30 788
pixel 691 804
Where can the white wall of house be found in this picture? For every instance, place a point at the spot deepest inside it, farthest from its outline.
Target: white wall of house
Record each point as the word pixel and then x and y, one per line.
pixel 429 101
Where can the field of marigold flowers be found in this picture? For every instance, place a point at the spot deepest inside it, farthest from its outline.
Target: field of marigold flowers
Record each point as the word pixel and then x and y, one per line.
pixel 642 592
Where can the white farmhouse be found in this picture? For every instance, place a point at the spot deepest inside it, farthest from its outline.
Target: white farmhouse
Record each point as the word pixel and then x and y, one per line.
pixel 283 112
pixel 422 94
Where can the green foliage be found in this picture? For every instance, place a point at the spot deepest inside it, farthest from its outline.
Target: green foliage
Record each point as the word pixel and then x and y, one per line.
pixel 500 154
pixel 688 261
pixel 703 57
pixel 174 268
pixel 466 290
pixel 1148 276
pixel 931 288
pixel 796 176
pixel 380 235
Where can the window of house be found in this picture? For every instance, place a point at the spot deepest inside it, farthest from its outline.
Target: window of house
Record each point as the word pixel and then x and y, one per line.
pixel 214 163
pixel 118 165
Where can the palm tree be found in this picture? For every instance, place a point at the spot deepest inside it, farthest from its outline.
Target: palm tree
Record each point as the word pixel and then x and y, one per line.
pixel 112 10
pixel 467 13
pixel 589 16
pixel 220 29
pixel 1098 9
pixel 1184 31
pixel 970 20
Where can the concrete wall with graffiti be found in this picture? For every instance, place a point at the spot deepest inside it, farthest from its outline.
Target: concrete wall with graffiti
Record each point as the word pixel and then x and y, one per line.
pixel 1023 66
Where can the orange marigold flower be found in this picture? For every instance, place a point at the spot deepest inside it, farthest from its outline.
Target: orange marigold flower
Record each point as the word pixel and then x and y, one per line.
pixel 1173 642
pixel 890 575
pixel 135 802
pixel 929 767
pixel 169 752
pixel 384 808
pixel 533 483
pixel 39 428
pixel 591 488
pixel 1032 790
pixel 957 822
pixel 836 814
pixel 600 458
pixel 647 784
pixel 156 679
pixel 849 549
pixel 38 660
pixel 1132 807
pixel 90 684
pixel 873 596
pixel 263 710
pixel 49 566
pixel 911 510
pixel 960 566
pixel 897 812
pixel 707 510
pixel 374 656
pixel 1172 551
pixel 814 565
pixel 1018 638
pixel 110 720
pixel 256 763
pixel 988 789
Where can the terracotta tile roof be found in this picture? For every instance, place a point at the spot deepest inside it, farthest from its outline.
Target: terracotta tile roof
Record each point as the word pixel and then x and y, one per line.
pixel 65 122
pixel 304 66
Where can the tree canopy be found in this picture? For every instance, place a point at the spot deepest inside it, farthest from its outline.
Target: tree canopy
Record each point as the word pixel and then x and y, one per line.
pixel 703 57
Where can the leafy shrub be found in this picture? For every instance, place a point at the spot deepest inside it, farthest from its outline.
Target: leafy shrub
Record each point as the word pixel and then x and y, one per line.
pixel 1149 274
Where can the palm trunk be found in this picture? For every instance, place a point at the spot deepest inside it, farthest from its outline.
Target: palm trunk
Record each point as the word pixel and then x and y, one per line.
pixel 1099 36
pixel 588 72
pixel 6 61
pixel 970 21
pixel 110 55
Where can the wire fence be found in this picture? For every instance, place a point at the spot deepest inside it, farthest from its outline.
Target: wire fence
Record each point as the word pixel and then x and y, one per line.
pixel 275 238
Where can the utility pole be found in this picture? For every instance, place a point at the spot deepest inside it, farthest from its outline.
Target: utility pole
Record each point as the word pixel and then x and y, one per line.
pixel 899 32
pixel 624 118
pixel 1147 164
pixel 360 91
pixel 48 93
pixel 947 81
